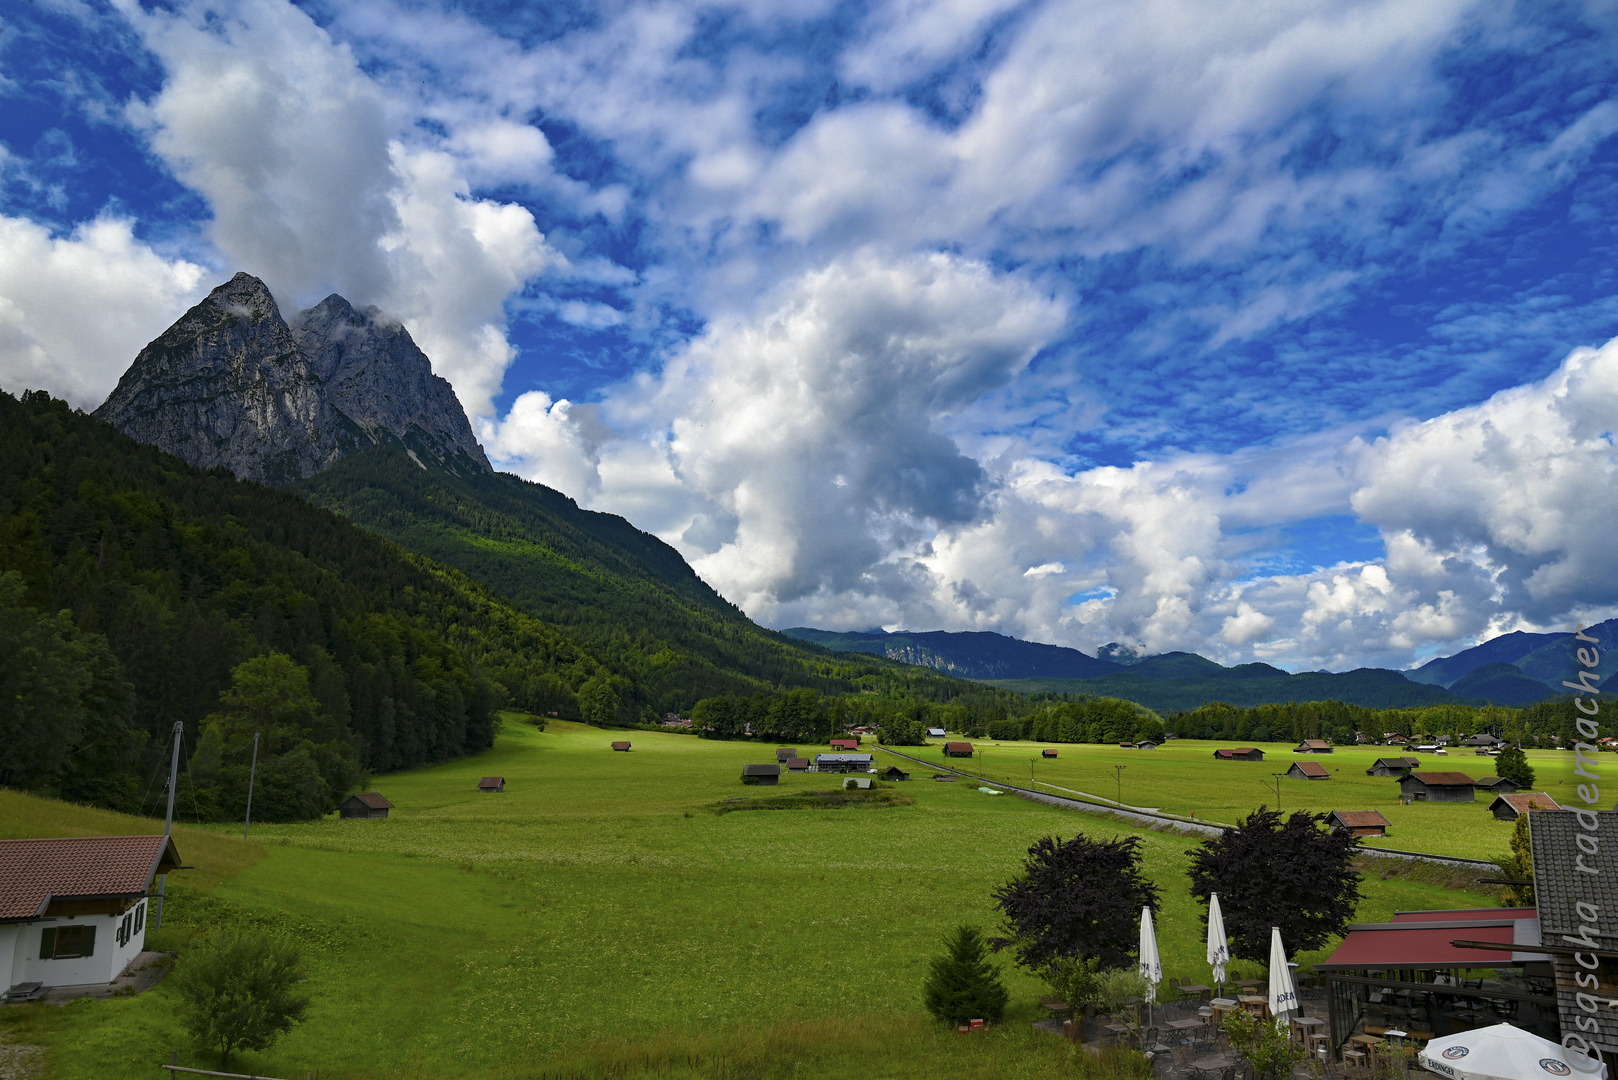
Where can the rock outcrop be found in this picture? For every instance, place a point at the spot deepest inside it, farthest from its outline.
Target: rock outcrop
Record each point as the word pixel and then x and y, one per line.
pixel 232 384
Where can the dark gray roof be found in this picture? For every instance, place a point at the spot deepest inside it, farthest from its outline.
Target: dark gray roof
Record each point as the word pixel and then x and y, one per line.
pixel 842 759
pixel 773 769
pixel 1559 886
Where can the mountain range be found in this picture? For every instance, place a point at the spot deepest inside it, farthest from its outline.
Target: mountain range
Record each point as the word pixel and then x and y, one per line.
pixel 338 405
pixel 1514 669
pixel 233 384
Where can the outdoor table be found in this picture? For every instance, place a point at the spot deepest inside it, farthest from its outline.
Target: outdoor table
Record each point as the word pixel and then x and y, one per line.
pixel 1257 1004
pixel 1197 989
pixel 1303 1027
pixel 1249 983
pixel 1185 1025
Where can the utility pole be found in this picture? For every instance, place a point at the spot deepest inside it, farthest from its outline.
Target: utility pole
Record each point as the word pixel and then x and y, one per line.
pixel 251 776
pixel 1278 776
pixel 1120 776
pixel 168 820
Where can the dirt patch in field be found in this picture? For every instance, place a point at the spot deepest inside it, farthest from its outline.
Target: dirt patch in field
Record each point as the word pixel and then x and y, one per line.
pixel 852 799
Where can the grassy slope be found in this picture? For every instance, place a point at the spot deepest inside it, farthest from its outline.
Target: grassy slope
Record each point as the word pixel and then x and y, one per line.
pixel 597 916
pixel 1182 777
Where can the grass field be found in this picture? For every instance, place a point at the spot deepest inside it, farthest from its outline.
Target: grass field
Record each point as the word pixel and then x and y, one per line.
pixel 1182 777
pixel 599 919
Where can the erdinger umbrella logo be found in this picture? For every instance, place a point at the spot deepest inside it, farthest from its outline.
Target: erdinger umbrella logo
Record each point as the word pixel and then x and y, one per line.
pixel 1453 1052
pixel 1554 1067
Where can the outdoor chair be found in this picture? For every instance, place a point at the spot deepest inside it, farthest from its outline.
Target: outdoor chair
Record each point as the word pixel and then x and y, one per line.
pixel 1355 1059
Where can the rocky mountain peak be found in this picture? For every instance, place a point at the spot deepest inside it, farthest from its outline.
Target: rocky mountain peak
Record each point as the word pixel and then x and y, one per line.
pixel 234 384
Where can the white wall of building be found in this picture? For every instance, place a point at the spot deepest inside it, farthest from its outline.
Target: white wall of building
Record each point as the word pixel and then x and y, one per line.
pixel 107 961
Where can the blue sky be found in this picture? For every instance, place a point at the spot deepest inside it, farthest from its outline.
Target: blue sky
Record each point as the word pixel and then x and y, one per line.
pixel 1275 334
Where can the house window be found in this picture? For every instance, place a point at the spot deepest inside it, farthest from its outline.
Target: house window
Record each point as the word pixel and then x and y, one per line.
pixel 140 916
pixel 67 942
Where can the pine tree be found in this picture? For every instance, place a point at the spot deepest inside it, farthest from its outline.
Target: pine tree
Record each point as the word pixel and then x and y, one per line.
pixel 1513 765
pixel 963 985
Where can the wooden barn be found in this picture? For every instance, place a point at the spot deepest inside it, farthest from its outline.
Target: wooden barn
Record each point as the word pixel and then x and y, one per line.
pixel 860 783
pixel 1240 753
pixel 936 733
pixel 621 745
pixel 1313 746
pixel 1048 752
pixel 1438 787
pixel 492 783
pixel 1392 766
pixel 367 804
pixel 785 753
pixel 1498 785
pixel 797 764
pixel 957 749
pixel 893 772
pixel 1359 822
pixel 1513 806
pixel 1308 770
pixel 1146 744
pixel 762 774
pixel 1484 740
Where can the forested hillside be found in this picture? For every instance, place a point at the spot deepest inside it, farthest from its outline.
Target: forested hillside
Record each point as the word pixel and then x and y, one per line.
pixel 170 579
pixel 668 639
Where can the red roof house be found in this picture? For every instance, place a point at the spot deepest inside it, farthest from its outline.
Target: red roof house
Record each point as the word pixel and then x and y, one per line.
pixel 73 909
pixel 957 749
pixel 492 783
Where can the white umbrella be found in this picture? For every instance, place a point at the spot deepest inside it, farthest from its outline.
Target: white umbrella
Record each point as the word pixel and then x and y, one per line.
pixel 1218 946
pixel 1503 1052
pixel 1151 965
pixel 1283 995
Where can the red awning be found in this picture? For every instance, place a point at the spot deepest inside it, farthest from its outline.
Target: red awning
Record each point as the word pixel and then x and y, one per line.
pixel 1420 945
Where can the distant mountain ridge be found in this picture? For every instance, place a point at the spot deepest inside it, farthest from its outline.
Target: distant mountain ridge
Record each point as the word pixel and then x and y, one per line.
pixel 232 384
pixel 1514 669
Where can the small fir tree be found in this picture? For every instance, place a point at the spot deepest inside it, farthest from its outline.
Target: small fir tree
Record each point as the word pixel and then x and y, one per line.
pixel 1513 765
pixel 963 985
pixel 1519 865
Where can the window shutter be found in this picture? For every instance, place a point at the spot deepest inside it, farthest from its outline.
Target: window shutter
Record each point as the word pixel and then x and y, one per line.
pixel 140 916
pixel 89 940
pixel 47 943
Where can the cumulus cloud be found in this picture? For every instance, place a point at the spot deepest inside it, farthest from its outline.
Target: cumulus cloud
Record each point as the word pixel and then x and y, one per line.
pixel 315 186
pixel 799 447
pixel 75 309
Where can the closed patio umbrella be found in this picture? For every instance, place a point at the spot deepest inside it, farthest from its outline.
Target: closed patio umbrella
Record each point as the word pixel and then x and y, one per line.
pixel 1283 994
pixel 1218 946
pixel 1503 1052
pixel 1151 965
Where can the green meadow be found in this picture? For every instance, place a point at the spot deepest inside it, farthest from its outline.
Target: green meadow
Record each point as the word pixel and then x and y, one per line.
pixel 1182 777
pixel 598 918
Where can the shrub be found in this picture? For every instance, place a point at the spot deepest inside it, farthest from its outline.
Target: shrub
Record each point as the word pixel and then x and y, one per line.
pixel 963 985
pixel 237 991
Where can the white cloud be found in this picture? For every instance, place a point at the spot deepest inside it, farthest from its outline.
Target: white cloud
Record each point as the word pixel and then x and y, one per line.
pixel 315 186
pixel 74 310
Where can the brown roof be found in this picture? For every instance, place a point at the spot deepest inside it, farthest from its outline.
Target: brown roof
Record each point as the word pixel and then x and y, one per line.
pixel 1519 801
pixel 1360 819
pixel 1310 768
pixel 957 747
pixel 33 872
pixel 1444 779
pixel 372 799
pixel 491 781
pixel 620 746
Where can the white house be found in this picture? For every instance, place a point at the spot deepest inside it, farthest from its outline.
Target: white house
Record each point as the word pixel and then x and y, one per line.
pixel 73 910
